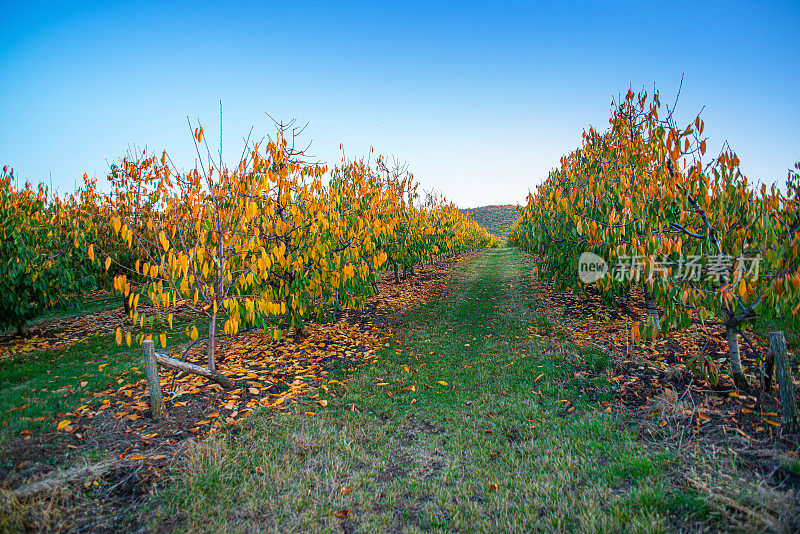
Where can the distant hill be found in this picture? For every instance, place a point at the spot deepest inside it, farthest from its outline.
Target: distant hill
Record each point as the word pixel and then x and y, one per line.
pixel 496 219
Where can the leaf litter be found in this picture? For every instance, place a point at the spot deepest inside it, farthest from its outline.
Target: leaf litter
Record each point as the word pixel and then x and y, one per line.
pixel 275 375
pixel 653 382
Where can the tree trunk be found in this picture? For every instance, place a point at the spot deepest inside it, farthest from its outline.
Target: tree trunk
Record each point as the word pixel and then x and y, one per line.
pixel 396 273
pixel 783 374
pixel 22 330
pixel 651 306
pixel 300 331
pixel 212 327
pixel 736 360
pixel 126 305
pixel 186 367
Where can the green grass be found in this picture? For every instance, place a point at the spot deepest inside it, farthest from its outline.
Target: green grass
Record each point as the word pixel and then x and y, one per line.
pixel 37 386
pixel 428 460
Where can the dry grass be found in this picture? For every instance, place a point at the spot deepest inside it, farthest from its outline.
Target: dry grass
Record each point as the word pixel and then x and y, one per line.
pixel 668 404
pixel 736 503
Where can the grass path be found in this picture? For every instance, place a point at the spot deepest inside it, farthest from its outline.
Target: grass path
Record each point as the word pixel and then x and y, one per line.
pixel 457 427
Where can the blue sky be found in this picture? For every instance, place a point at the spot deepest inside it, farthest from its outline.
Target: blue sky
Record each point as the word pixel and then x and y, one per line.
pixel 481 99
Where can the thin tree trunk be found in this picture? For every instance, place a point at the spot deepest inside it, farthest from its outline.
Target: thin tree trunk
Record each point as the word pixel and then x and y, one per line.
pixel 651 306
pixel 783 374
pixel 396 273
pixel 212 327
pixel 300 330
pixel 735 357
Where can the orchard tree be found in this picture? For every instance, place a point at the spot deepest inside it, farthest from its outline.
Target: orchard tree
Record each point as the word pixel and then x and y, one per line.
pixel 640 195
pixel 42 253
pixel 261 244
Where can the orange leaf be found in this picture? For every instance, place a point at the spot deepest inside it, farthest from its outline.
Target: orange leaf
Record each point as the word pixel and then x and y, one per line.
pixel 343 513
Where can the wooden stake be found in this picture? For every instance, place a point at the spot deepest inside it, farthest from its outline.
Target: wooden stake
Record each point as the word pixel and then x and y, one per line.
pixel 783 374
pixel 153 383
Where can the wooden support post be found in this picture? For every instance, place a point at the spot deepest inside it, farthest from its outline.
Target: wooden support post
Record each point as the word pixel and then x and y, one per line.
pixel 153 383
pixel 783 374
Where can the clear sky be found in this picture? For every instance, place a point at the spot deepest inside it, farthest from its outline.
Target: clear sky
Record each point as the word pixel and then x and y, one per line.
pixel 481 99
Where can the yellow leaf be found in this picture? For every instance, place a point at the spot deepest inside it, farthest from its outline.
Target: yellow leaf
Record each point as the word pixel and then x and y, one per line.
pixel 91 252
pixel 163 338
pixel 442 383
pixel 163 238
pixel 63 423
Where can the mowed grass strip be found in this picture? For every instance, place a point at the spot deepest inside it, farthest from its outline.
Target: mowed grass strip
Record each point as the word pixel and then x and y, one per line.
pixel 461 424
